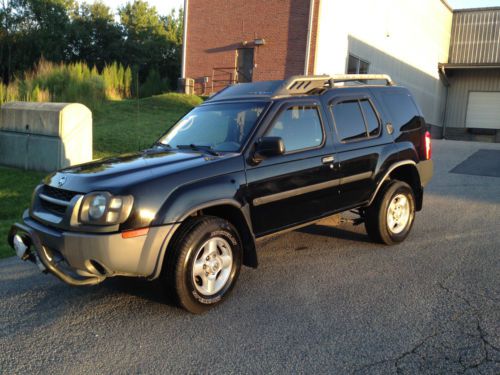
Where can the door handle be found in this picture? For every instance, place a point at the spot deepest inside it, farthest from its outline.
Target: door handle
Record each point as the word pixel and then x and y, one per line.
pixel 327 159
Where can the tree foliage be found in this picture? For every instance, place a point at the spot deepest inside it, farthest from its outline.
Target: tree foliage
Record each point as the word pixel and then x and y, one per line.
pixel 65 31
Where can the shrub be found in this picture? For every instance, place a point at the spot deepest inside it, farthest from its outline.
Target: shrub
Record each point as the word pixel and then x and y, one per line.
pixel 74 82
pixel 153 85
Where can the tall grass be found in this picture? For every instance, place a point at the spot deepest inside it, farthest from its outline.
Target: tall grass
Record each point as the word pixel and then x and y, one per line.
pixel 75 82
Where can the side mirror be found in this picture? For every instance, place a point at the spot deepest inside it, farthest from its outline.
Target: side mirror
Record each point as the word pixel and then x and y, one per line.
pixel 267 147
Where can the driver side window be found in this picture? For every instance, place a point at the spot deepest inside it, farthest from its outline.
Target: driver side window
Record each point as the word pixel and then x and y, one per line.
pixel 299 127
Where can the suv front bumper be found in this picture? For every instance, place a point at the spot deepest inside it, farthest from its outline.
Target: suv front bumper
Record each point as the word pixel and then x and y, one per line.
pixel 87 259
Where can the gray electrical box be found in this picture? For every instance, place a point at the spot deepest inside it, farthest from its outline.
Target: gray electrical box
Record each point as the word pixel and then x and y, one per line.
pixel 186 86
pixel 45 136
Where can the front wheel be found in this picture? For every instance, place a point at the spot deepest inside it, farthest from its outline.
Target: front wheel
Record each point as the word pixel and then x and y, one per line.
pixel 390 217
pixel 204 263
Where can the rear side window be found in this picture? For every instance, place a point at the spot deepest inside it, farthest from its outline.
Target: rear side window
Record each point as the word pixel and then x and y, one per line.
pixel 402 109
pixel 372 123
pixel 299 127
pixel 349 121
pixel 355 120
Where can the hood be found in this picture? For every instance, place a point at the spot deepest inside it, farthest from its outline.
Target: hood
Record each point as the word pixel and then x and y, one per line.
pixel 116 173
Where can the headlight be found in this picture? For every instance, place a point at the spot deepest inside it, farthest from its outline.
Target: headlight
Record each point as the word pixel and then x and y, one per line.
pixel 102 208
pixel 97 206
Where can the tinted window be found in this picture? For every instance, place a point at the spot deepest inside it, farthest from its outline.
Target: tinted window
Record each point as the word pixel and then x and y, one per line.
pixel 299 127
pixel 363 67
pixel 352 65
pixel 403 111
pixel 349 121
pixel 357 66
pixel 372 124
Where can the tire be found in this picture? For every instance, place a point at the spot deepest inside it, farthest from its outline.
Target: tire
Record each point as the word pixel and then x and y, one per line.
pixel 203 264
pixel 384 221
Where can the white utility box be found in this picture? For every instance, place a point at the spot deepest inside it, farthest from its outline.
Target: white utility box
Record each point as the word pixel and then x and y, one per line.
pixel 45 136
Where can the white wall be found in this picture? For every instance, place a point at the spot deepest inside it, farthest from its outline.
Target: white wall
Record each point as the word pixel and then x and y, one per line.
pixel 404 38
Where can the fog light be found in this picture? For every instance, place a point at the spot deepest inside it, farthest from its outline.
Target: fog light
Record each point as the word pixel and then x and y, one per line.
pixel 20 247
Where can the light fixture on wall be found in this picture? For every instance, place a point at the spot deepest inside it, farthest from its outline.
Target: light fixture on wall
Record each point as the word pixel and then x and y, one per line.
pixel 259 42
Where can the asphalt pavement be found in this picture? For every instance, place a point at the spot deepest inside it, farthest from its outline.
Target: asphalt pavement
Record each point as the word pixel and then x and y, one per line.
pixel 324 300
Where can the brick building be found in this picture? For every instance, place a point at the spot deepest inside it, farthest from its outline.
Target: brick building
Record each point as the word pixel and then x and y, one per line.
pixel 416 42
pixel 247 40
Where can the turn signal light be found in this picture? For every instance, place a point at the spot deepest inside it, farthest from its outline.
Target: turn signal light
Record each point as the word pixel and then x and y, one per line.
pixel 135 233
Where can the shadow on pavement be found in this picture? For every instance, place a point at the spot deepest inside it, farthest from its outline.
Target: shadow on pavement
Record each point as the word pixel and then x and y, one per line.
pixel 335 232
pixel 153 291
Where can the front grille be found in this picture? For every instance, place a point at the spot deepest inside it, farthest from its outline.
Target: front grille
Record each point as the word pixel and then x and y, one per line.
pixel 61 194
pixel 55 193
pixel 52 207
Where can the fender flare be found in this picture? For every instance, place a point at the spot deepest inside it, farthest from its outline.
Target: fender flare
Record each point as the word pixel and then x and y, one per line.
pixel 249 245
pixel 386 176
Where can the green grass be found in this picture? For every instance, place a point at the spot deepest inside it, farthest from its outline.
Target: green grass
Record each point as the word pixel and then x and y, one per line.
pixel 119 127
pixel 131 125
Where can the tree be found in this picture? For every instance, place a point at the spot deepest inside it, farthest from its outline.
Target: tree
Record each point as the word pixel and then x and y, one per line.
pixel 174 26
pixel 66 31
pixel 31 29
pixel 95 37
pixel 152 44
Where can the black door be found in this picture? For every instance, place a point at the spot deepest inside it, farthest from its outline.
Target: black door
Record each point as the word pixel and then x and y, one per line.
pixel 300 185
pixel 359 142
pixel 245 64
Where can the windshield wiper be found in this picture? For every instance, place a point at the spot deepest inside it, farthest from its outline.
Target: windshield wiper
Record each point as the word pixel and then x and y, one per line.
pixel 192 146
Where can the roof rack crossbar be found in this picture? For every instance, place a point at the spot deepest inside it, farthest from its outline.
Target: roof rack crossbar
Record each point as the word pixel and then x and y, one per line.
pixel 302 85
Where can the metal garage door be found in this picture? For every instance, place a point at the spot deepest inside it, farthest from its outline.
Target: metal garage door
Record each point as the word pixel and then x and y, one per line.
pixel 483 110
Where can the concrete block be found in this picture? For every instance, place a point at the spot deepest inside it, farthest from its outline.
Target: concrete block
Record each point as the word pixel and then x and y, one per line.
pixel 45 136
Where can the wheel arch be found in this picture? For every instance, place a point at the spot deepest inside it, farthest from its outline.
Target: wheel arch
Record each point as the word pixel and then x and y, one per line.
pixel 405 171
pixel 232 211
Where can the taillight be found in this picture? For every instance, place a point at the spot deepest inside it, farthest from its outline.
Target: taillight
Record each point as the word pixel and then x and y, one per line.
pixel 427 146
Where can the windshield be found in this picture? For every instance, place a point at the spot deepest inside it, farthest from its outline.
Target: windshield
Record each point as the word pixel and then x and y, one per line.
pixel 220 127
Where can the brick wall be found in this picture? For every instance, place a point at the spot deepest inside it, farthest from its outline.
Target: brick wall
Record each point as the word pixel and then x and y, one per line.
pixel 216 28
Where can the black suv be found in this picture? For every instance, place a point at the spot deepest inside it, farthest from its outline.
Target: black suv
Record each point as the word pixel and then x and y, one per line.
pixel 253 160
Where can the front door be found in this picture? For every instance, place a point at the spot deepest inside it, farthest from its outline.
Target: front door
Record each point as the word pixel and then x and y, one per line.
pixel 244 64
pixel 300 185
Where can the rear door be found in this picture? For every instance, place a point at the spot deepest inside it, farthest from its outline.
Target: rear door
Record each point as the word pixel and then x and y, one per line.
pixel 300 185
pixel 360 143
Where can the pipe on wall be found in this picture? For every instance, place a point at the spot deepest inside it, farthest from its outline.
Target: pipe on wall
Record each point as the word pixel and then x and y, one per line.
pixel 446 82
pixel 309 37
pixel 184 39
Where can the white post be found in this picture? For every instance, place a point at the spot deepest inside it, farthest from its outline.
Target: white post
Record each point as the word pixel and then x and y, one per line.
pixel 309 36
pixel 184 38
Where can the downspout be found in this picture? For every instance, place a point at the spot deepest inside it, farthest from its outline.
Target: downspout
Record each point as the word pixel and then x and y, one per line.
pixel 446 83
pixel 309 37
pixel 184 39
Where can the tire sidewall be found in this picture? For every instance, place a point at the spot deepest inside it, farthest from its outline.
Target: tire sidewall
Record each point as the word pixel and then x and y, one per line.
pixel 393 190
pixel 204 233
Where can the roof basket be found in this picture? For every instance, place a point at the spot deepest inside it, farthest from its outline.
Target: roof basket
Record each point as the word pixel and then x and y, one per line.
pixel 302 85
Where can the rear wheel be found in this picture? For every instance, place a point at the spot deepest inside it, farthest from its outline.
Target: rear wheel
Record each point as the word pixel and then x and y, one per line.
pixel 204 263
pixel 390 217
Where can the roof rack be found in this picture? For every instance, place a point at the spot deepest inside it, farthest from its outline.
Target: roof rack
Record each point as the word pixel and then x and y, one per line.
pixel 302 85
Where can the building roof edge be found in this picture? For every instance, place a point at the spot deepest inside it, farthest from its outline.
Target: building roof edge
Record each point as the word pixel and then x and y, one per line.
pixel 485 9
pixel 445 3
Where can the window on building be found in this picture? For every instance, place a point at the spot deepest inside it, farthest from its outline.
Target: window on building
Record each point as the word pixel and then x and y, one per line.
pixel 355 65
pixel 299 127
pixel 355 120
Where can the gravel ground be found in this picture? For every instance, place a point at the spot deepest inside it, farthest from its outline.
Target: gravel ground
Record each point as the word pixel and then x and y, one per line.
pixel 324 300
